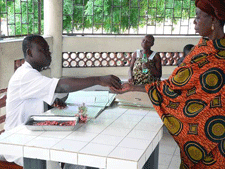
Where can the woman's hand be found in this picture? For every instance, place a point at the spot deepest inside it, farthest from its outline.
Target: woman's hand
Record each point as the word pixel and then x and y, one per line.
pixel 126 87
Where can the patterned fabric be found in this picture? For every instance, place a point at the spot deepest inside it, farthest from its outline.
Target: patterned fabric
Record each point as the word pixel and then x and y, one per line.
pixel 191 103
pixel 139 77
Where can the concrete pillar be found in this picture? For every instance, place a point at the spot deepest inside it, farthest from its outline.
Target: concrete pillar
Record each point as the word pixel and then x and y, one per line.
pixel 53 27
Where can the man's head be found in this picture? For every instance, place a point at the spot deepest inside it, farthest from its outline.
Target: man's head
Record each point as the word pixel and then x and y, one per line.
pixel 147 42
pixel 36 51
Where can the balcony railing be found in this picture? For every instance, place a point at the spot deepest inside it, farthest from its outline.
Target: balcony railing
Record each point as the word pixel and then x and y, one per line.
pixel 111 59
pixel 20 17
pixel 128 17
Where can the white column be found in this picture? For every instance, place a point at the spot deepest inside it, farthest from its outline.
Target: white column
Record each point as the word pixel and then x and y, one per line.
pixel 53 27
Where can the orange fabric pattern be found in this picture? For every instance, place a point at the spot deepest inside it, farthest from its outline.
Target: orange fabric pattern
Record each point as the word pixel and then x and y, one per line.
pixel 191 103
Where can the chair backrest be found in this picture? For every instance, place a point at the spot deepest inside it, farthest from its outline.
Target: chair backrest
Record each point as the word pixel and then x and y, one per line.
pixel 6 164
pixel 2 120
pixel 2 104
pixel 9 165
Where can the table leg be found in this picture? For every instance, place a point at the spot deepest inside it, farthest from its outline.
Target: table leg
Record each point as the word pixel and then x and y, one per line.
pixel 29 163
pixel 152 162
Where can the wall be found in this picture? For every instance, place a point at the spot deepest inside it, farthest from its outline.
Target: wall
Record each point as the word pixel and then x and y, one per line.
pixel 119 44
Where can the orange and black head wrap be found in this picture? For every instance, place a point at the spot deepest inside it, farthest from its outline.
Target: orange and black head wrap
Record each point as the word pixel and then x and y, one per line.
pixel 214 8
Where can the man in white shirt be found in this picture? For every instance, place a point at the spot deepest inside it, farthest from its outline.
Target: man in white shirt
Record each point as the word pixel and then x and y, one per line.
pixel 28 89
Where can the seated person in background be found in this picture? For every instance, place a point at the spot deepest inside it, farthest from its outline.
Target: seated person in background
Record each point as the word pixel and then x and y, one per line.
pixel 186 50
pixel 153 64
pixel 28 88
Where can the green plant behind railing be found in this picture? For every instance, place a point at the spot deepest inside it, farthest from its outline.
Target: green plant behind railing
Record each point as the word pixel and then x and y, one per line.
pixel 118 16
pixel 111 16
pixel 21 16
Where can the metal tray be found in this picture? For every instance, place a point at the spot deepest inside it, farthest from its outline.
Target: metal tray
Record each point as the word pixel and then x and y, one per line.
pixel 42 118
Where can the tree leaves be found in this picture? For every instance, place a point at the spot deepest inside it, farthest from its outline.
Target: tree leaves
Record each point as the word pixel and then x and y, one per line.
pixel 108 16
pixel 118 16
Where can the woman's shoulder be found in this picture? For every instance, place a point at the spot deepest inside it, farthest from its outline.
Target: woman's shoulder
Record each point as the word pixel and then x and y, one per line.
pixel 152 56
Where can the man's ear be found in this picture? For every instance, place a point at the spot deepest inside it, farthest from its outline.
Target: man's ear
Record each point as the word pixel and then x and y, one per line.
pixel 29 53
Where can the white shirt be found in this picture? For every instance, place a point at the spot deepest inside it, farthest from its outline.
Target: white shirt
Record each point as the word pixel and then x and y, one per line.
pixel 27 90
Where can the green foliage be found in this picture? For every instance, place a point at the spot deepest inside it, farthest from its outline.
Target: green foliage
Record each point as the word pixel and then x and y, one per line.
pixel 111 16
pixel 118 16
pixel 22 16
pixel 73 11
pixel 2 7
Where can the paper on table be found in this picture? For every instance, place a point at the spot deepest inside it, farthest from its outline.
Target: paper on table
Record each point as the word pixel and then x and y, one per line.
pixel 134 99
pixel 96 101
pixel 82 99
pixel 91 98
pixel 111 99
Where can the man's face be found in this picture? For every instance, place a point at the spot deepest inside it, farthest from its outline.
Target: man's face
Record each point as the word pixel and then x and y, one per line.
pixel 41 55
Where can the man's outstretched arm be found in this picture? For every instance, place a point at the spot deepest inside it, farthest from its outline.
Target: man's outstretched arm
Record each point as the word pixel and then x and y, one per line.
pixel 67 85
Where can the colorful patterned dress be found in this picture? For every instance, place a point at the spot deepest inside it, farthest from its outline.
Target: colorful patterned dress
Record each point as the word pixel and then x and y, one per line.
pixel 139 77
pixel 191 103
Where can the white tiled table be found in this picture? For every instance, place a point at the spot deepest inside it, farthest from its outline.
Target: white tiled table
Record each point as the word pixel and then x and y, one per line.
pixel 120 138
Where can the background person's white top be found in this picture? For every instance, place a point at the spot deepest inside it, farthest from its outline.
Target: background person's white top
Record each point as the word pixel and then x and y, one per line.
pixel 149 58
pixel 27 91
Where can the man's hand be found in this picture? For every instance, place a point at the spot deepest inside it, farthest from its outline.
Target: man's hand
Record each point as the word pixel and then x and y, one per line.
pixel 60 104
pixel 110 81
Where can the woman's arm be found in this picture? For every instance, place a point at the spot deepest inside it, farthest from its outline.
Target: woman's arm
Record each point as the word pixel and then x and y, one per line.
pixel 157 69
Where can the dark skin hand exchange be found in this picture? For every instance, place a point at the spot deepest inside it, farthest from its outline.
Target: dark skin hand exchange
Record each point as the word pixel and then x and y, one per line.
pixel 38 56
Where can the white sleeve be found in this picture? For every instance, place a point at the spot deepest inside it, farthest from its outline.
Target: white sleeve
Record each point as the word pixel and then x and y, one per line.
pixel 138 53
pixel 34 85
pixel 152 55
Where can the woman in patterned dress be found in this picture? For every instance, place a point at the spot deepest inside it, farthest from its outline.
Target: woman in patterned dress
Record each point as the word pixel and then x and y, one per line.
pixel 154 74
pixel 191 103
